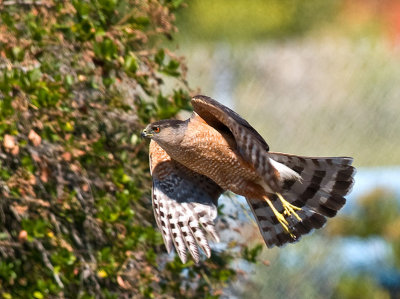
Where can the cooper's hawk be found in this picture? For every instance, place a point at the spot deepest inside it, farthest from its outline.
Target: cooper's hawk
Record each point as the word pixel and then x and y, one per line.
pixel 193 161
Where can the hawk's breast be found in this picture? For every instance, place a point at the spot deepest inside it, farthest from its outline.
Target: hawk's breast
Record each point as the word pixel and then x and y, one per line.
pixel 207 151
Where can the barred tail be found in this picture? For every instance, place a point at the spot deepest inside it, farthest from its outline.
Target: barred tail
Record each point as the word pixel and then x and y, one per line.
pixel 319 190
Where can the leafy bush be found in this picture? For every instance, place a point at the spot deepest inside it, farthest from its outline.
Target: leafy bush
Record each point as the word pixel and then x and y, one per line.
pixel 77 82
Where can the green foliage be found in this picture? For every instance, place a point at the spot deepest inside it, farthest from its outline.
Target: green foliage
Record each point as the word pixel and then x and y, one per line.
pixel 242 20
pixel 78 81
pixel 378 216
pixel 354 287
pixel 251 255
pixel 324 263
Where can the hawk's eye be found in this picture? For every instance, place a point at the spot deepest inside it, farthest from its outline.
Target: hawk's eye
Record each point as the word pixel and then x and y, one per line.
pixel 155 129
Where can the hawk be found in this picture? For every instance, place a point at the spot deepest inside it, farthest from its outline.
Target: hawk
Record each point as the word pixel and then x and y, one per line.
pixel 192 162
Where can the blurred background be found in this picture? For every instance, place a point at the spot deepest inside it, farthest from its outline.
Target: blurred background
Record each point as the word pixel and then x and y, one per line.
pixel 79 80
pixel 317 78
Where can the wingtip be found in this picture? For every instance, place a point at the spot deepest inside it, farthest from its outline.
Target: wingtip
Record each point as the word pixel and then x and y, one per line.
pixel 182 256
pixel 216 238
pixel 214 235
pixel 207 250
pixel 200 97
pixel 204 99
pixel 168 247
pixel 196 259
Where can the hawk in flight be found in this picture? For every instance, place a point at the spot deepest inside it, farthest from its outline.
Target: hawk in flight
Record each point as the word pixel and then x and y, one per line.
pixel 193 161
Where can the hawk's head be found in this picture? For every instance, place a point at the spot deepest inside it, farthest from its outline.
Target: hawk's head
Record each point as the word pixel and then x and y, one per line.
pixel 166 132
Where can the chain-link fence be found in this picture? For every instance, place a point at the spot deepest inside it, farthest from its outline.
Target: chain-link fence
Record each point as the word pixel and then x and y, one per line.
pixel 316 96
pixel 312 96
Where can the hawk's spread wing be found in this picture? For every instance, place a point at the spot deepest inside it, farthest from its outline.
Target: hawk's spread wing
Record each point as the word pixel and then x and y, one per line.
pixel 249 142
pixel 184 204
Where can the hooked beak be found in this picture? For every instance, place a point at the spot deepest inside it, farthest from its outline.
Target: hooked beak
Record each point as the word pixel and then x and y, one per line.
pixel 145 134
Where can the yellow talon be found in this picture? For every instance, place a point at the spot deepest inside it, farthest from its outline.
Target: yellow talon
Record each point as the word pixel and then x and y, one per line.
pixel 283 221
pixel 289 208
pixel 280 217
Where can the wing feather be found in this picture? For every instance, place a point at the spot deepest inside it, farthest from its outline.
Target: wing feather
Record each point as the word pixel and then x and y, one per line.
pixel 249 142
pixel 184 203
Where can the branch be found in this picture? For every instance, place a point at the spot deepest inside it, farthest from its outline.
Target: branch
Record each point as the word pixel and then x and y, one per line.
pixel 10 66
pixel 26 2
pixel 9 244
pixel 47 262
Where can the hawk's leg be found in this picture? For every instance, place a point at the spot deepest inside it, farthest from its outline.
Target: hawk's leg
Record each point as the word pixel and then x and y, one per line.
pixel 289 208
pixel 279 216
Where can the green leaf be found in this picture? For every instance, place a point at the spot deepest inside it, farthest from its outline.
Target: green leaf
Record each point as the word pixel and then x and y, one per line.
pixel 6 295
pixel 177 3
pixel 34 75
pixel 38 295
pixel 251 254
pixel 69 80
pixel 130 63
pixel 3 236
pixel 173 64
pixel 159 57
pixel 105 49
pixel 18 53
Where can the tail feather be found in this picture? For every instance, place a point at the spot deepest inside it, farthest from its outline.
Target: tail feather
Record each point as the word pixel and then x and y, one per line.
pixel 292 161
pixel 273 232
pixel 320 193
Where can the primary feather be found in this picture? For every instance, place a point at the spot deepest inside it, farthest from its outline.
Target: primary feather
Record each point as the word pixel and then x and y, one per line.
pixel 184 204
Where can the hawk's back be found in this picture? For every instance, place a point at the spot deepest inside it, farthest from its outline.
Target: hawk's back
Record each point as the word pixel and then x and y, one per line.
pixel 212 153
